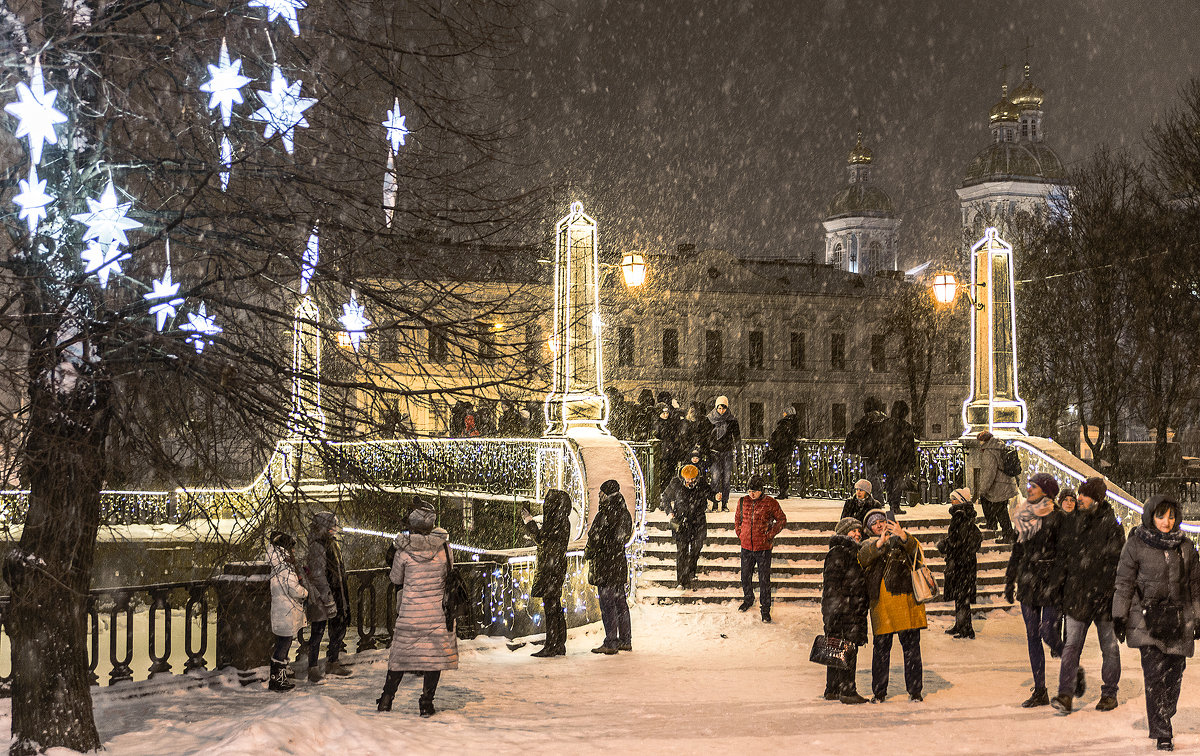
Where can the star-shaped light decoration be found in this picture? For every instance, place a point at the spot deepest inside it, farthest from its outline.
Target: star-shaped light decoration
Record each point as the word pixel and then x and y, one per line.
pixel 225 84
pixel 165 290
pixel 36 113
pixel 354 320
pixel 394 126
pixel 285 8
pixel 32 199
pixel 103 260
pixel 200 326
pixel 308 266
pixel 282 108
pixel 106 219
pixel 227 161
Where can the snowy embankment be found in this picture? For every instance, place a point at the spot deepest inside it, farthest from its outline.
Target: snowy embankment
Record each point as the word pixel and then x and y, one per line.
pixel 702 679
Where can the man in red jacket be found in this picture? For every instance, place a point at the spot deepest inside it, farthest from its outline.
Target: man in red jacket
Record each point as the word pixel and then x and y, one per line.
pixel 758 520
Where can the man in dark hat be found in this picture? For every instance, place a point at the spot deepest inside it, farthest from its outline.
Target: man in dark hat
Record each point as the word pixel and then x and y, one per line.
pixel 758 519
pixel 329 599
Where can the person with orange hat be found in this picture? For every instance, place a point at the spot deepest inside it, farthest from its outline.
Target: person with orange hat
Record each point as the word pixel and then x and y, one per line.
pixel 686 502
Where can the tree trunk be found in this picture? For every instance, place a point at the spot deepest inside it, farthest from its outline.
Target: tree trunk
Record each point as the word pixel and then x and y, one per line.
pixel 50 572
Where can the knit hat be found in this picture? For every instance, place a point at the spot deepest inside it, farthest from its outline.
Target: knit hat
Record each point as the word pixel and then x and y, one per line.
pixel 689 472
pixel 960 494
pixel 1094 488
pixel 789 410
pixel 1046 482
pixel 1066 493
pixel 862 484
pixel 422 519
pixel 755 484
pixel 696 452
pixel 872 517
pixel 282 540
pixel 722 400
pixel 610 487
pixel 846 524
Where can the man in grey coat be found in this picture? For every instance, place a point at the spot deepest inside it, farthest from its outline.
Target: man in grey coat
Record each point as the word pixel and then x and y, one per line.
pixel 329 599
pixel 995 488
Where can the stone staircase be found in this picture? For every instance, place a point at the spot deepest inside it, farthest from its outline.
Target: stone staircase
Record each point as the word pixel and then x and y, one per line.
pixel 798 557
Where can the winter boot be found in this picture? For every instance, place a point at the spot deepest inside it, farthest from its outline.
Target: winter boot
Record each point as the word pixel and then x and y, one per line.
pixel 390 684
pixel 425 706
pixel 279 680
pixel 745 606
pixel 954 629
pixel 966 633
pixel 1062 703
pixel 1039 698
pixel 766 615
pixel 546 652
pixel 1165 744
pixel 852 698
pixel 314 674
pixel 1080 682
pixel 1106 703
pixel 335 667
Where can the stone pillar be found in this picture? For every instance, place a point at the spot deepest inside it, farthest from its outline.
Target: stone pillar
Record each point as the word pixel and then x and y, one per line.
pixel 244 637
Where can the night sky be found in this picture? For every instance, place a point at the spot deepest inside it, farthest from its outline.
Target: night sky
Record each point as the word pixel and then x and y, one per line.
pixel 727 124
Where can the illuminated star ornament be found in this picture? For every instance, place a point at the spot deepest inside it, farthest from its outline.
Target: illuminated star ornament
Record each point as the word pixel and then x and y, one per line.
pixel 394 126
pixel 106 219
pixel 32 199
pixel 103 260
pixel 36 113
pixel 200 326
pixel 354 320
pixel 225 84
pixel 308 265
pixel 227 161
pixel 281 8
pixel 282 108
pixel 164 293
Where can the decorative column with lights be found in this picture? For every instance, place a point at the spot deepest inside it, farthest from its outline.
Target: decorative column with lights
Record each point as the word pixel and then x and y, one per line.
pixel 576 399
pixel 994 403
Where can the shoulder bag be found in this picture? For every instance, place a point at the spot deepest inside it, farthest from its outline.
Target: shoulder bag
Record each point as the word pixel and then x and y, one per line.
pixel 925 585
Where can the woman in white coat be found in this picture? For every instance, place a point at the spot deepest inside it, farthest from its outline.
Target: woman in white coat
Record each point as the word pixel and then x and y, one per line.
pixel 423 641
pixel 288 593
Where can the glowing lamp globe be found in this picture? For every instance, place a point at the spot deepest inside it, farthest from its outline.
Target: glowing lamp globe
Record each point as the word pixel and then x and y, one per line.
pixel 633 268
pixel 944 288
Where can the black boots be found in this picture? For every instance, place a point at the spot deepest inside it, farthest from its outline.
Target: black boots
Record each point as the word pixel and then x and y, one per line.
pixel 279 679
pixel 1040 697
pixel 425 706
pixel 556 636
pixel 384 702
pixel 424 703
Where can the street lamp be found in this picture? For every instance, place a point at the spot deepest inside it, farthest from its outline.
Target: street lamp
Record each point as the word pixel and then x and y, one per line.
pixel 633 268
pixel 946 287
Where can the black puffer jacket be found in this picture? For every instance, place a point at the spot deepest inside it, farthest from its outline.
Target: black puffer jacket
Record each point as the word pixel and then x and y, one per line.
pixel 1154 567
pixel 687 505
pixel 1088 559
pixel 1034 564
pixel 551 539
pixel 960 547
pixel 858 509
pixel 844 603
pixel 605 550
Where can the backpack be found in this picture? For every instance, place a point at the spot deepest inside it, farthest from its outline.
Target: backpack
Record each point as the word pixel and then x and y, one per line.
pixel 1010 462
pixel 456 601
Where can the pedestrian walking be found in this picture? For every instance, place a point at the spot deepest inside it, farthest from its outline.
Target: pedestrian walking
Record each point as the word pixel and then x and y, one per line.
pixel 995 488
pixel 329 598
pixel 1088 560
pixel 1156 608
pixel 668 434
pixel 685 502
pixel 551 571
pixel 288 593
pixel 898 455
pixel 758 519
pixel 782 448
pixel 867 440
pixel 844 606
pixel 1032 578
pixel 887 556
pixel 861 501
pixel 960 547
pixel 423 639
pixel 723 439
pixel 608 567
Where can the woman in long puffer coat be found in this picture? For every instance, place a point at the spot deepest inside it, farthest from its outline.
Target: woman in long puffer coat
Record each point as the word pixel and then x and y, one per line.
pixel 608 567
pixel 844 606
pixel 551 572
pixel 288 593
pixel 960 547
pixel 1159 568
pixel 422 640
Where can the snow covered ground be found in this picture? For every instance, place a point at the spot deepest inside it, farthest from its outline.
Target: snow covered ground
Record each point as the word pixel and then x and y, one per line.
pixel 702 679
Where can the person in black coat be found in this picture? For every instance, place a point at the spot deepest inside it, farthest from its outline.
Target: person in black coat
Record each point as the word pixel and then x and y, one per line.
pixel 608 568
pixel 861 501
pixel 1032 578
pixel 898 455
pixel 781 448
pixel 844 606
pixel 668 432
pixel 1088 562
pixel 551 539
pixel 960 547
pixel 685 502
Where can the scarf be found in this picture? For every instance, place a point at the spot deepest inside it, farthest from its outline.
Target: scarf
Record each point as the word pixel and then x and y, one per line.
pixel 1028 517
pixel 720 423
pixel 1157 539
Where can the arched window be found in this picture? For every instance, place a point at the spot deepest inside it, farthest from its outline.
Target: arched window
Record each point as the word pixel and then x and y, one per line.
pixel 875 259
pixel 838 255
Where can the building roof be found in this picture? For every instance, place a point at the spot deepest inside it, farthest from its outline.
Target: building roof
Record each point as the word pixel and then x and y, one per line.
pixel 860 199
pixel 1015 161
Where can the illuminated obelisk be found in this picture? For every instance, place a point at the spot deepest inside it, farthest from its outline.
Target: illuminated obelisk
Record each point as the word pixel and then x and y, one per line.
pixel 994 403
pixel 576 400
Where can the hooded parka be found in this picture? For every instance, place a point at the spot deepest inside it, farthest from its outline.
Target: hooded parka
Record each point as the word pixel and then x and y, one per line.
pixel 961 547
pixel 420 641
pixel 551 539
pixel 287 593
pixel 605 550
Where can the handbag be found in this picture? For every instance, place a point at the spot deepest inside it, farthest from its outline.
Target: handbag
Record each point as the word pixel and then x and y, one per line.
pixel 925 585
pixel 1164 620
pixel 832 652
pixel 456 599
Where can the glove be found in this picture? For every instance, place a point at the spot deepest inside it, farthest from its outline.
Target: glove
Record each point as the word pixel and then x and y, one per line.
pixel 1119 628
pixel 331 610
pixel 1008 594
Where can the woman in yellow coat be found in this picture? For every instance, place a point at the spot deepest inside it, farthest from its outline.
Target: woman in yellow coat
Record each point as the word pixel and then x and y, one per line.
pixel 886 557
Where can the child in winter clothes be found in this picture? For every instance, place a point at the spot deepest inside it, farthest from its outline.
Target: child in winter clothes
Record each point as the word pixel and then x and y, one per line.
pixel 287 605
pixel 844 606
pixel 960 546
